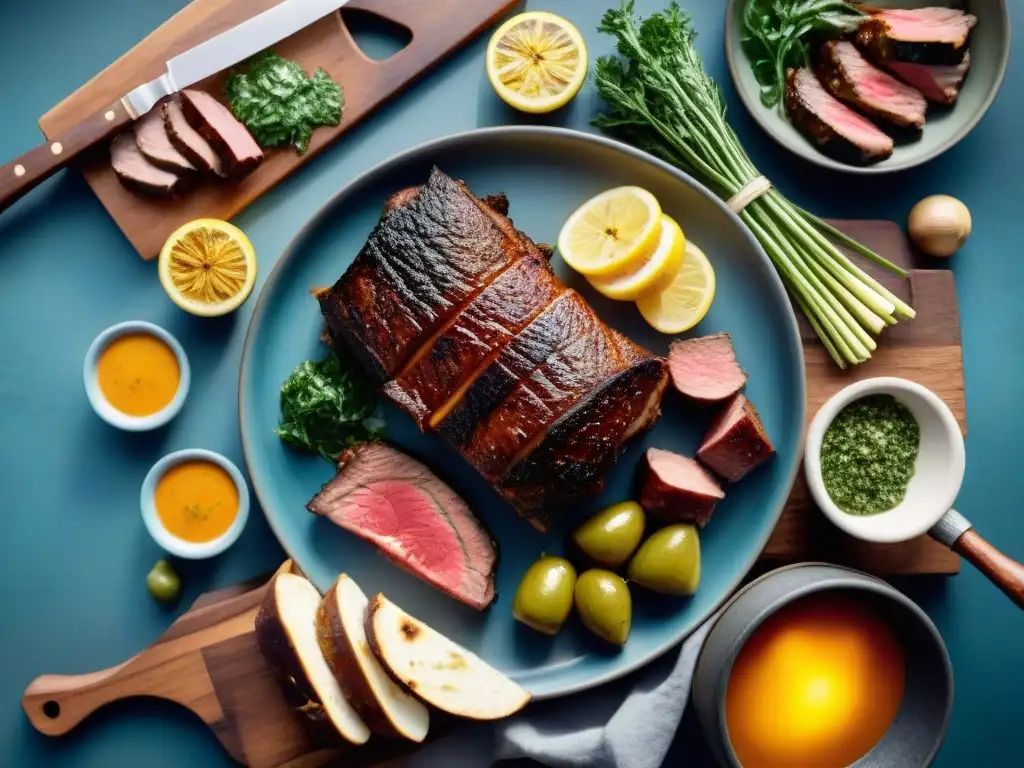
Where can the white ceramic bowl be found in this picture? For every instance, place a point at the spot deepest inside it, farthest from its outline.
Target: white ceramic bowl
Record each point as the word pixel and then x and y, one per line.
pixel 99 403
pixel 189 549
pixel 939 470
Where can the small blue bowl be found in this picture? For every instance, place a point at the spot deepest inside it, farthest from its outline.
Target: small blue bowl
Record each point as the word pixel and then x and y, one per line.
pixel 192 550
pixel 99 403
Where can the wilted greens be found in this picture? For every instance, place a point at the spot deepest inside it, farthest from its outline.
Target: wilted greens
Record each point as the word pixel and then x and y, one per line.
pixel 327 406
pixel 280 105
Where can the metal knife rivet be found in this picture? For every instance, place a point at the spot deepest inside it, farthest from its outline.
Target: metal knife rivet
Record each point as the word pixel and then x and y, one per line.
pixel 19 170
pixel 56 147
pixel 110 116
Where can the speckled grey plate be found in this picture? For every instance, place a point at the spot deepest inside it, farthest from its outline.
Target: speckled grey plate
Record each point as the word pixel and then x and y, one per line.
pixel 990 51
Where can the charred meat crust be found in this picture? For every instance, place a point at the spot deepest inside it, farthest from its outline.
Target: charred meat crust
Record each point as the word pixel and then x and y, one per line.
pixel 578 450
pixel 876 35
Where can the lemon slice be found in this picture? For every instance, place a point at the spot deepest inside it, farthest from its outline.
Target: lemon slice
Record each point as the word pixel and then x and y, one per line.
pixel 686 300
pixel 208 267
pixel 611 233
pixel 653 275
pixel 536 61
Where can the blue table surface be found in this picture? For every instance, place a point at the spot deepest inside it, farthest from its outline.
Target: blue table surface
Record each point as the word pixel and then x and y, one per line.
pixel 73 550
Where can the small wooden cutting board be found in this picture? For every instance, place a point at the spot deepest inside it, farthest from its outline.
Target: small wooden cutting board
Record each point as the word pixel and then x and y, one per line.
pixel 926 350
pixel 437 28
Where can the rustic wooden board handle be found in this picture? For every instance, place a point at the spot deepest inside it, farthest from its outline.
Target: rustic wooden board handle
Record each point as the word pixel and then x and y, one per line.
pixel 57 703
pixel 1004 572
pixel 24 173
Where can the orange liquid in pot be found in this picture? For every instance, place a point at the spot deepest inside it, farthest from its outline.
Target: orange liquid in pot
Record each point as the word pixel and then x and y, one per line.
pixel 816 686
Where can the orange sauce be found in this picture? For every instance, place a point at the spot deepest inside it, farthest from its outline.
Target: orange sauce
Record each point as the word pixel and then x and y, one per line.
pixel 196 500
pixel 138 374
pixel 816 686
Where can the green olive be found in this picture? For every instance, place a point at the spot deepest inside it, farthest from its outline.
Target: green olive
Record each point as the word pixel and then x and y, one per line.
pixel 604 605
pixel 163 582
pixel 544 598
pixel 669 561
pixel 612 535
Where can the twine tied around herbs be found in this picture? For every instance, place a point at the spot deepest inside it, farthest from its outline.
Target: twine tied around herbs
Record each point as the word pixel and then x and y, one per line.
pixel 748 193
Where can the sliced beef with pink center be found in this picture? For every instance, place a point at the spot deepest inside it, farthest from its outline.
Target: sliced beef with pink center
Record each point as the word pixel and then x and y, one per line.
pixel 413 518
pixel 736 442
pixel 852 79
pixel 674 488
pixel 939 83
pixel 835 128
pixel 918 35
pixel 705 368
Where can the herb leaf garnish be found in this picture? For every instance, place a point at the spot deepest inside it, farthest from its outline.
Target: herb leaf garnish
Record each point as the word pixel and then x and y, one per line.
pixel 280 105
pixel 326 407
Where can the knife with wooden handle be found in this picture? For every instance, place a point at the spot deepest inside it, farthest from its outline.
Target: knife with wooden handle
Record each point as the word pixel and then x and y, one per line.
pixel 216 54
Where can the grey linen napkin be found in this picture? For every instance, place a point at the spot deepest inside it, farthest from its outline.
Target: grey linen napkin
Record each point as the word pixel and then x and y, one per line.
pixel 627 724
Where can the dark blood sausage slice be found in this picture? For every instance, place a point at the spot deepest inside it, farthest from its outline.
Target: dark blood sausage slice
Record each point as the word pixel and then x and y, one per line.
pixel 831 125
pixel 422 263
pixel 939 83
pixel 416 520
pixel 187 140
pixel 138 174
pixel 736 442
pixel 705 368
pixel 232 141
pixel 577 452
pixel 444 368
pixel 676 489
pixel 918 35
pixel 848 76
pixel 156 146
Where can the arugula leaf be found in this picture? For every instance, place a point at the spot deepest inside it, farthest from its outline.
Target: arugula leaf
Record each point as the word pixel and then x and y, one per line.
pixel 279 104
pixel 327 406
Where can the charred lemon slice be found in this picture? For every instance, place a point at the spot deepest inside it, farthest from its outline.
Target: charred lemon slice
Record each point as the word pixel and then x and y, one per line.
pixel 208 267
pixel 536 61
pixel 652 275
pixel 611 233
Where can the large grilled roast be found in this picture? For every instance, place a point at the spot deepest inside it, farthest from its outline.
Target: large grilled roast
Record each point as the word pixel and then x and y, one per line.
pixel 460 319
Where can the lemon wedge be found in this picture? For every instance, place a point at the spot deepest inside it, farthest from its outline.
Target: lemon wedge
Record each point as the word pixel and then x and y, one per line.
pixel 208 267
pixel 611 233
pixel 536 61
pixel 685 301
pixel 653 275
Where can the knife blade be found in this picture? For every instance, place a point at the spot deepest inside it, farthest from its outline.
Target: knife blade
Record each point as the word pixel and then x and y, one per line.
pixel 215 55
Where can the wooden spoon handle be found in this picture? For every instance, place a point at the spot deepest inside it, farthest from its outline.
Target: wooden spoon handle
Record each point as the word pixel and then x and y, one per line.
pixel 1005 573
pixel 24 173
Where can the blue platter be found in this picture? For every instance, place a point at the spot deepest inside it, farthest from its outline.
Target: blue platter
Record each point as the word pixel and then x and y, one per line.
pixel 546 173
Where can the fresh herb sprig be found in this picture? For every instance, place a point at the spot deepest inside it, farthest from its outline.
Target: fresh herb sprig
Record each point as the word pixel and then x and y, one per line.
pixel 660 99
pixel 280 105
pixel 777 35
pixel 327 406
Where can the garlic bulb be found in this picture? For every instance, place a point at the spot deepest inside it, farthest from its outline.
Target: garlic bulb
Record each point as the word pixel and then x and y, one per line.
pixel 939 225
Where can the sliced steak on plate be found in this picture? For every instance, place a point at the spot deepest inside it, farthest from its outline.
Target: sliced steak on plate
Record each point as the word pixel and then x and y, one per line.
pixel 831 125
pixel 237 149
pixel 918 35
pixel 851 78
pixel 736 442
pixel 705 368
pixel 939 83
pixel 676 489
pixel 414 518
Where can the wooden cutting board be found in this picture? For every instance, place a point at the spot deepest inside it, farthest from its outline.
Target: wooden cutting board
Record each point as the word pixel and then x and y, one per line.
pixel 209 663
pixel 926 350
pixel 437 28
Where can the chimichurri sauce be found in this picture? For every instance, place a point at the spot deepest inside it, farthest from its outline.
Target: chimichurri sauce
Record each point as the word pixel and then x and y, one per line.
pixel 868 455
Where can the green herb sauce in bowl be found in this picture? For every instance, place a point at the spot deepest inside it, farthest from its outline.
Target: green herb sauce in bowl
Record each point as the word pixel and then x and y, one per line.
pixel 868 455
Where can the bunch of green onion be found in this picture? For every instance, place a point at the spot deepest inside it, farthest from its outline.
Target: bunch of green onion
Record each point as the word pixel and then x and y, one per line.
pixel 661 99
